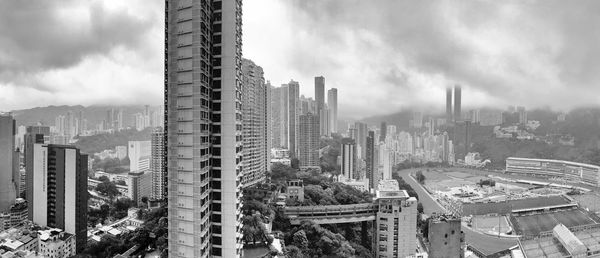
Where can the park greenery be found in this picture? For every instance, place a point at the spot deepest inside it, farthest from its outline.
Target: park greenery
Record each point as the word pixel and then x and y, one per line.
pixel 109 212
pixel 108 141
pixel 111 165
pixel 152 235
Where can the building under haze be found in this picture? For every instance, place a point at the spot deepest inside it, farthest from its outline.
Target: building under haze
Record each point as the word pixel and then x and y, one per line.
pixel 203 106
pixel 457 103
pixel 449 105
pixel 9 163
pixel 332 104
pixel 59 184
pixel 255 113
pixel 293 116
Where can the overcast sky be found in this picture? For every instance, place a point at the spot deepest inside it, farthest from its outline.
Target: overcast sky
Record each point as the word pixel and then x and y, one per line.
pixel 381 55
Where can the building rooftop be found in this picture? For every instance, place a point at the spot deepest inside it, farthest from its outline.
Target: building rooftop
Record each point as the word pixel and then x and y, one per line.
pixel 390 189
pixel 569 240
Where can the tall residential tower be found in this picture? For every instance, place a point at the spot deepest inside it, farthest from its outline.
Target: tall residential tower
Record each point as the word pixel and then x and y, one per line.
pixel 203 126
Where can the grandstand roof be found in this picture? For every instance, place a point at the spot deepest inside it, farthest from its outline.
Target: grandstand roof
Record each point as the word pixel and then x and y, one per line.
pixel 569 240
pixel 506 207
pixel 556 161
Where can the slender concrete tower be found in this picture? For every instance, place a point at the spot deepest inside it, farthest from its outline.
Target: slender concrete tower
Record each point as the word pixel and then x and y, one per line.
pixel 457 104
pixel 449 119
pixel 203 127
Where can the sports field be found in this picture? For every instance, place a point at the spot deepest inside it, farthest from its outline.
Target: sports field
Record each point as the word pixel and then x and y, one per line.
pixel 534 224
pixel 491 224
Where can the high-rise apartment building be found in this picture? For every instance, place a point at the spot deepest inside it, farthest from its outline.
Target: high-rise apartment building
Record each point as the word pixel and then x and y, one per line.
pixel 370 159
pixel 332 104
pixel 9 163
pixel 361 138
pixel 59 184
pixel 308 148
pixel 255 113
pixel 522 115
pixel 277 117
pixel 382 131
pixel 139 153
pixel 396 224
pixel 324 121
pixel 349 160
pixel 320 92
pixel 293 114
pixel 417 119
pixel 157 164
pixel 449 119
pixel 34 134
pixel 457 103
pixel 139 185
pixel 203 127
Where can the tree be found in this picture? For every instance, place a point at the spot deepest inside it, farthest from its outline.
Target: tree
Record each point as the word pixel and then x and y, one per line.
pixel 104 179
pixel 295 163
pixel 108 189
pixel 419 207
pixel 420 177
pixel 299 239
pixel 144 200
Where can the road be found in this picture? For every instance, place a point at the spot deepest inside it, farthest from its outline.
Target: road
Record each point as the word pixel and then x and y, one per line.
pixel 429 204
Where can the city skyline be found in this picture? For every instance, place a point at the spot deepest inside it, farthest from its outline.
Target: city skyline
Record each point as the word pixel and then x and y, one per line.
pixel 492 72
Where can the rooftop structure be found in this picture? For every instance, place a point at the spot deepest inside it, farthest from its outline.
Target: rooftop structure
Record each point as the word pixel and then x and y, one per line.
pixel 573 171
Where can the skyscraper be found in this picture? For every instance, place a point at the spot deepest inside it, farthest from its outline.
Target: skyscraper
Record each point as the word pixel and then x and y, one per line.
pixel 293 112
pixel 349 160
pixel 457 103
pixel 203 127
pixel 370 159
pixel 139 153
pixel 382 131
pixel 157 164
pixel 320 92
pixel 449 119
pixel 33 135
pixel 332 103
pixel 277 117
pixel 361 138
pixel 59 184
pixel 324 121
pixel 254 113
pixel 308 148
pixel 9 172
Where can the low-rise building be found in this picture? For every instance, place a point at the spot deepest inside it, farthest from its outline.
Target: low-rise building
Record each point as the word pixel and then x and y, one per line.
pixel 54 243
pixel 295 190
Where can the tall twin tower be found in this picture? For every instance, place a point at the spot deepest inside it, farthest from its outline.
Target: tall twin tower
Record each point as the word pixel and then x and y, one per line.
pixel 457 116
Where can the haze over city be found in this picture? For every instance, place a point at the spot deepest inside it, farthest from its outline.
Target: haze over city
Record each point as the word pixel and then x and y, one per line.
pixel 397 54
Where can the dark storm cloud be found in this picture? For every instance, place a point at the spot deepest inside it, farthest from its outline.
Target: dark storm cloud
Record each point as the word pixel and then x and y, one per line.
pixel 508 51
pixel 43 35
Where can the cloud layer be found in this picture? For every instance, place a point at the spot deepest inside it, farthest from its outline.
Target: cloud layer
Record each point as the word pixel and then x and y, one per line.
pixel 385 55
pixel 79 52
pixel 381 55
